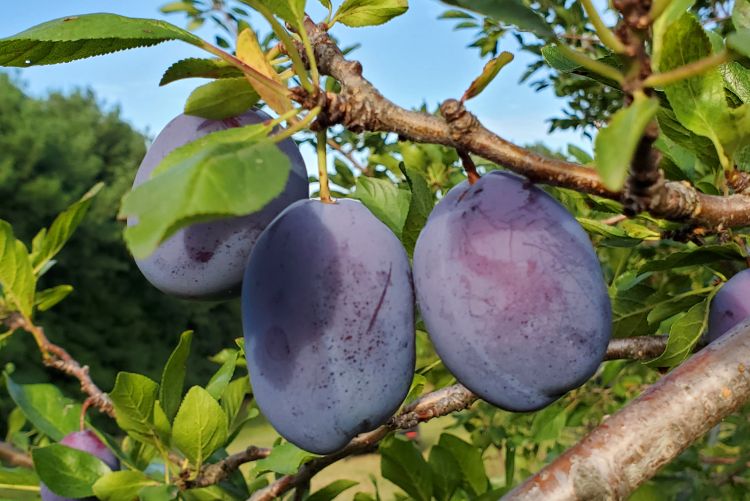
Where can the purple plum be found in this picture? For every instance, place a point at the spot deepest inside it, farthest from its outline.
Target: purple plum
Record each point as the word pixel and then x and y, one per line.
pixel 511 292
pixel 206 260
pixel 328 317
pixel 85 441
pixel 730 306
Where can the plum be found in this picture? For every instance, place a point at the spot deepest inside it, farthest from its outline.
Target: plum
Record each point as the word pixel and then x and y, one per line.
pixel 328 318
pixel 85 441
pixel 206 260
pixel 730 306
pixel 511 292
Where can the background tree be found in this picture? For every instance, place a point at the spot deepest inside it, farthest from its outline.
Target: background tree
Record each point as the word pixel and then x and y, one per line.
pixel 51 151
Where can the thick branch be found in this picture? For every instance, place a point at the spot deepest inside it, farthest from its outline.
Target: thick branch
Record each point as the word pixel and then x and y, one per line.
pixel 56 357
pixel 361 107
pixel 636 348
pixel 13 457
pixel 612 461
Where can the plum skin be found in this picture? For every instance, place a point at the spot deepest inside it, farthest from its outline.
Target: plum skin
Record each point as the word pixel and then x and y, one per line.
pixel 85 441
pixel 730 306
pixel 205 261
pixel 511 292
pixel 328 318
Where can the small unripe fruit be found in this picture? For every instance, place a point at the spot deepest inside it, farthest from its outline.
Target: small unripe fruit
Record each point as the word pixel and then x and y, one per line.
pixel 85 441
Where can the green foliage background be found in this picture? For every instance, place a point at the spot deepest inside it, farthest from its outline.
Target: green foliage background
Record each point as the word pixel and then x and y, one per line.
pixel 51 151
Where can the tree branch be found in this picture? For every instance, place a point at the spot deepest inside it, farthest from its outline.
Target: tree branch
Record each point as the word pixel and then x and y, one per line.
pixel 440 403
pixel 612 461
pixel 57 358
pixel 211 474
pixel 436 404
pixel 361 107
pixel 13 457
pixel 636 348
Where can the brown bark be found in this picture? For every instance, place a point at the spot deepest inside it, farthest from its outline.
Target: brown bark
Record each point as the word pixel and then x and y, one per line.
pixel 629 447
pixel 361 107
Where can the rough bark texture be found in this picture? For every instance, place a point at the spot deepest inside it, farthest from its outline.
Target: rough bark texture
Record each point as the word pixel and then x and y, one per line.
pixel 361 107
pixel 629 447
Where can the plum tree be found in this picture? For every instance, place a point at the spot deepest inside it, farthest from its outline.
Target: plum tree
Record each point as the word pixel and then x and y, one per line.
pixel 511 292
pixel 85 441
pixel 730 306
pixel 206 260
pixel 321 337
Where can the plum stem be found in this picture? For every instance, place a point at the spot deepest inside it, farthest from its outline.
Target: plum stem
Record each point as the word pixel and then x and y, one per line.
pixel 469 166
pixel 325 190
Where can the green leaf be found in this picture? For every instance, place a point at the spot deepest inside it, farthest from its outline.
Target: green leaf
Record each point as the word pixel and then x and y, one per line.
pixel 420 206
pixel 186 7
pixel 554 56
pixel 402 464
pixel 173 376
pixel 548 423
pixel 17 476
pixel 77 37
pixel 616 144
pixel 162 425
pixel 469 459
pixel 199 68
pixel 699 102
pixel 232 172
pixel 219 381
pixel 222 99
pixel 62 229
pixel 46 408
pixel 446 472
pixel 630 309
pixel 200 426
pixel 737 80
pixel 17 281
pixel 122 485
pixel 332 490
pixel 739 41
pixel 417 385
pixel 48 298
pixel 66 471
pixel 133 398
pixel 291 11
pixel 326 3
pixel 696 256
pixel 684 334
pixel 672 13
pixel 232 399
pixel 385 200
pixel 158 493
pixel 357 13
pixel 741 14
pixel 490 71
pixel 508 12
pixel 285 459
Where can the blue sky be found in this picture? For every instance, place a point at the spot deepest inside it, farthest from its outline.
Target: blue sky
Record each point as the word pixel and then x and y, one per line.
pixel 414 59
